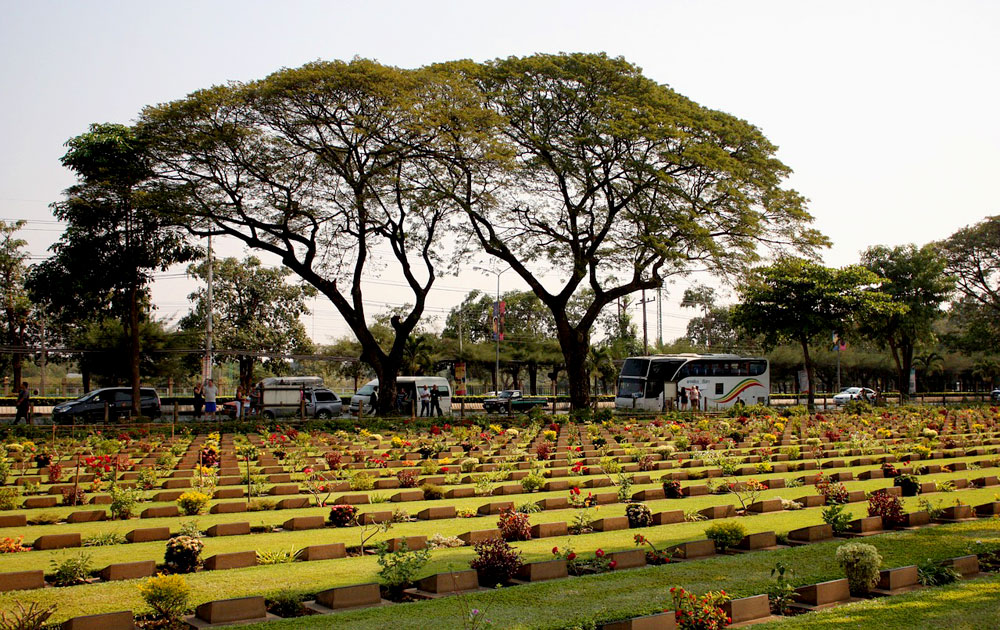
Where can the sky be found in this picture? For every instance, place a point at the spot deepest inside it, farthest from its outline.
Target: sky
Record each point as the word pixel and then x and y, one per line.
pixel 885 111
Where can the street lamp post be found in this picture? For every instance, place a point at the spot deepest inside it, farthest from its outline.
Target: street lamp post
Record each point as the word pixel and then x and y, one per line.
pixel 496 322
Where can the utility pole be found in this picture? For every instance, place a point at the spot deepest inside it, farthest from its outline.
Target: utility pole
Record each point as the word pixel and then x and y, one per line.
pixel 42 384
pixel 659 317
pixel 645 337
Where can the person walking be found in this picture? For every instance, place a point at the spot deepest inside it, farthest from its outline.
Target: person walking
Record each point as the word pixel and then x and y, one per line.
pixel 435 401
pixel 211 393
pixel 425 402
pixel 199 401
pixel 23 405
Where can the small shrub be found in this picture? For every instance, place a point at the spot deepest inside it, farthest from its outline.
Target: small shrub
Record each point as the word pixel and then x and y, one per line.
pixel 934 509
pixel 432 492
pixel 861 563
pixel 930 573
pixel 34 617
pixel 781 594
pixel 190 528
pixel 639 515
pixel 699 613
pixel 45 518
pixel 469 464
pixel 342 515
pixel 834 491
pixel 514 526
pixel 726 534
pixel 378 497
pixel 167 595
pixel 276 556
pixel 532 482
pixel 285 603
pixel 889 507
pixel 148 479
pixel 496 561
pixel 10 498
pixel 837 517
pixel 73 570
pixel 104 539
pixel 529 508
pixel 192 503
pixel 398 568
pixel 360 481
pixel 440 541
pixel 262 505
pixel 123 502
pixel 12 545
pixel 183 554
pixel 672 489
pixel 74 496
pixel 694 516
pixel 407 478
pixel 909 483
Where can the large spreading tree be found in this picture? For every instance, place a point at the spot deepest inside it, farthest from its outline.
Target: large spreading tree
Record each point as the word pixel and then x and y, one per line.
pixel 797 300
pixel 972 257
pixel 616 183
pixel 916 282
pixel 329 167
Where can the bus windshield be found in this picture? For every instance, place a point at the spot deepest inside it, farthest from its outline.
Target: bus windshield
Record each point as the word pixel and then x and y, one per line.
pixel 635 367
pixel 628 387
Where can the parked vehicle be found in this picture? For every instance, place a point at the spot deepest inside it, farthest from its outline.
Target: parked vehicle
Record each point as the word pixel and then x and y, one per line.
pixel 90 408
pixel 411 386
pixel 512 401
pixel 320 402
pixel 854 393
pixel 652 383
pixel 995 395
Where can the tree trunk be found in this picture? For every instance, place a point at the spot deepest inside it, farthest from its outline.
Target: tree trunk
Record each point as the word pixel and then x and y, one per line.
pixel 811 394
pixel 246 372
pixel 532 378
pixel 575 344
pixel 906 364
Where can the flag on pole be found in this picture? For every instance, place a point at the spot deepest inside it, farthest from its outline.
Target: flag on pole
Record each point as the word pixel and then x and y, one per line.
pixel 499 309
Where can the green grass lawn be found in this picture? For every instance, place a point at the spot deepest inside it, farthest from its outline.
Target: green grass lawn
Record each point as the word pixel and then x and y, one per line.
pixel 971 605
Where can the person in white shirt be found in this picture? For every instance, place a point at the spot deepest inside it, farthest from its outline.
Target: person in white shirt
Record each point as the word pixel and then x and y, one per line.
pixel 211 391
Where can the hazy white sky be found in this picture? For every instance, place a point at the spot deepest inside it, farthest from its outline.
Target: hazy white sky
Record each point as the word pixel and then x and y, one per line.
pixel 886 111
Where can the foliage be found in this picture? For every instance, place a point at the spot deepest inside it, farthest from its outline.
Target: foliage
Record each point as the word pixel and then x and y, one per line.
pixel 407 478
pixel 12 545
pixel 578 565
pixel 73 570
pixel 104 539
pixel 432 492
pixel 514 526
pixel 285 603
pixel 726 534
pixel 861 563
pixel 639 515
pixel 532 482
pixel 276 556
pixel 32 617
pixel 398 568
pixel 183 554
pixel 74 495
pixel 699 613
pixel 10 498
pixel 909 483
pixel 672 489
pixel 654 556
pixel 833 491
pixel 342 515
pixel 167 595
pixel 781 594
pixel 192 503
pixel 836 516
pixel 496 561
pixel 123 501
pixel 361 481
pixel 889 507
pixel 931 573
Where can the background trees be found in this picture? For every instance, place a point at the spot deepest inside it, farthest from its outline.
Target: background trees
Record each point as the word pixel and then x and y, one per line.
pixel 255 310
pixel 798 300
pixel 14 302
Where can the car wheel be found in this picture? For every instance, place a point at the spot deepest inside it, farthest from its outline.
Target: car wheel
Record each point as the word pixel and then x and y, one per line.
pixel 324 414
pixel 268 415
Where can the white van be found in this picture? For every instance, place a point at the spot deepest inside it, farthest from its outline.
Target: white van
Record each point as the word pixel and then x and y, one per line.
pixel 412 385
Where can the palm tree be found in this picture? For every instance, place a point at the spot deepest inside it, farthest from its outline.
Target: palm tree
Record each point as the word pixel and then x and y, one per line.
pixel 417 355
pixel 929 363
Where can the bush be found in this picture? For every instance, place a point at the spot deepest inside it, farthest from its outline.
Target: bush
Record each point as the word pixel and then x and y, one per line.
pixel 639 515
pixel 276 556
pixel 123 501
pixel 837 517
pixel 34 617
pixel 834 491
pixel 532 482
pixel 432 492
pixel 930 573
pixel 192 503
pixel 889 507
pixel 672 489
pixel 496 561
pixel 342 515
pixel 699 613
pixel 183 554
pixel 407 478
pixel 12 545
pixel 10 498
pixel 861 563
pixel 74 496
pixel 726 534
pixel 104 539
pixel 285 603
pixel 72 570
pixel 167 595
pixel 514 526
pixel 400 567
pixel 909 483
pixel 360 481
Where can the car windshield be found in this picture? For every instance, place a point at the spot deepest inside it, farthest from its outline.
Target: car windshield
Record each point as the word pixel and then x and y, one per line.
pixel 627 387
pixel 505 394
pixel 366 390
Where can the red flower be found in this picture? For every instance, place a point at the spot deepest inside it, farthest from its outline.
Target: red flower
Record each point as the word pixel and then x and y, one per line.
pixel 444 469
pixel 555 551
pixel 613 564
pixel 571 556
pixel 599 553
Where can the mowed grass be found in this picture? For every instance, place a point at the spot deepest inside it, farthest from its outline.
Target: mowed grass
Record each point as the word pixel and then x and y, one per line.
pixel 971 605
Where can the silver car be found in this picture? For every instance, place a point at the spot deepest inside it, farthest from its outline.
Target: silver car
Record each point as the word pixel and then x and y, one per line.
pixel 854 393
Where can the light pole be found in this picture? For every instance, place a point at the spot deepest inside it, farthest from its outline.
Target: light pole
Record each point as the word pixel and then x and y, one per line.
pixel 496 326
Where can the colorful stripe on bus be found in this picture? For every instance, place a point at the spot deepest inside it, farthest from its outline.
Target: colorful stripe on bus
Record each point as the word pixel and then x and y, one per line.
pixel 741 387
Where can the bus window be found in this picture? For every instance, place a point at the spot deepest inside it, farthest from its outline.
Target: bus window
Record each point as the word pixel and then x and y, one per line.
pixel 757 368
pixel 654 388
pixel 635 367
pixel 664 370
pixel 628 387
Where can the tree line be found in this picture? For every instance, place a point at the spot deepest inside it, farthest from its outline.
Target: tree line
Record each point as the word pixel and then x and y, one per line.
pixel 573 163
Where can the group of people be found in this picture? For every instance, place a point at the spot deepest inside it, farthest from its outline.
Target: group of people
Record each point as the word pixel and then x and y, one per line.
pixel 690 395
pixel 205 397
pixel 430 401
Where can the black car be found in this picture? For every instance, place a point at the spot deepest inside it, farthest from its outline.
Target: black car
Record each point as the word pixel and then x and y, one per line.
pixel 90 408
pixel 995 395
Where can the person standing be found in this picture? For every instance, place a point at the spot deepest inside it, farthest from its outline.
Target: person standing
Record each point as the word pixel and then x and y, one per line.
pixel 23 405
pixel 240 395
pixel 211 393
pixel 199 401
pixel 682 398
pixel 373 402
pixel 435 401
pixel 425 401
pixel 695 396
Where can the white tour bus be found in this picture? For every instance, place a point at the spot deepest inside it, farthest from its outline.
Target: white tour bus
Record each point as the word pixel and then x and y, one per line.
pixel 412 385
pixel 652 383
